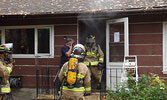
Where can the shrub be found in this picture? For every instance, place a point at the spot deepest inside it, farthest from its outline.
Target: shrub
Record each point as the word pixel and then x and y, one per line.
pixel 149 87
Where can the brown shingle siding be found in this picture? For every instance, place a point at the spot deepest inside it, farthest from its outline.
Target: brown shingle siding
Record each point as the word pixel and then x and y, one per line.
pixel 145 28
pixel 149 60
pixel 145 49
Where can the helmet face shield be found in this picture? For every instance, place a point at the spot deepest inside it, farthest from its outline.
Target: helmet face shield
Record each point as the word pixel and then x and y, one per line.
pixel 78 52
pixel 89 42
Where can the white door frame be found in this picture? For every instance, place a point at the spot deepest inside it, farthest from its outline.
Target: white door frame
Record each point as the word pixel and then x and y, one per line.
pixel 126 46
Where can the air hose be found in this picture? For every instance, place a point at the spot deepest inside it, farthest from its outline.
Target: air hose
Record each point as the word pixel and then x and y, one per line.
pixel 15 82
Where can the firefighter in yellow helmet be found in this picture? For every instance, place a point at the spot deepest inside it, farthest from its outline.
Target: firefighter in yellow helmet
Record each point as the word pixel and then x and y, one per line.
pixel 5 70
pixel 75 76
pixel 94 58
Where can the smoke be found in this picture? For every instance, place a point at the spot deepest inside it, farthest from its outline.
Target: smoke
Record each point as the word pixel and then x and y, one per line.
pixel 91 25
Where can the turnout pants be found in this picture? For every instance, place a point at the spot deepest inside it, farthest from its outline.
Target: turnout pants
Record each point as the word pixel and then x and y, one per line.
pixel 96 73
pixel 2 96
pixel 72 95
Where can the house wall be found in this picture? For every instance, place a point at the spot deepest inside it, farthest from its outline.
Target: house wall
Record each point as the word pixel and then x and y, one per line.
pixel 64 25
pixel 146 41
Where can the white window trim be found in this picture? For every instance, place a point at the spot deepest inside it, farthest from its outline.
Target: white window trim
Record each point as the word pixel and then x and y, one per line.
pixel 51 27
pixel 164 48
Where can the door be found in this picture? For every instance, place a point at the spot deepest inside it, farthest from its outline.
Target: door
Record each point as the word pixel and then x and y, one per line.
pixel 117 46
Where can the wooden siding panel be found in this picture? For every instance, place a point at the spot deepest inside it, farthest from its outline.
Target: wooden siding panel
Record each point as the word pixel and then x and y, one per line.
pixel 45 61
pixel 65 30
pixel 149 60
pixel 14 22
pixel 29 75
pixel 145 39
pixel 18 70
pixel 32 61
pixel 58 50
pixel 155 70
pixel 59 40
pixel 145 49
pixel 29 82
pixel 24 61
pixel 146 28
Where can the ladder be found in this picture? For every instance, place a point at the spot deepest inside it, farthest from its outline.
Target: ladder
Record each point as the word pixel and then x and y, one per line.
pixel 130 65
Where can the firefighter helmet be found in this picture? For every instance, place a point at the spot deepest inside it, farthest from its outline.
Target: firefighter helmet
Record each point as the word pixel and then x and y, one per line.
pixel 2 48
pixel 9 47
pixel 90 39
pixel 6 51
pixel 78 51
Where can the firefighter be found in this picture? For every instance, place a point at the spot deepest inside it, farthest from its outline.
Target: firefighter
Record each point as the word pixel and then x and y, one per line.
pixel 77 81
pixel 94 58
pixel 5 70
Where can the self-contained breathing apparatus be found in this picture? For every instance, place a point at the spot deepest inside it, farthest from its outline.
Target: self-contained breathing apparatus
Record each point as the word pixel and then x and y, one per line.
pixel 71 74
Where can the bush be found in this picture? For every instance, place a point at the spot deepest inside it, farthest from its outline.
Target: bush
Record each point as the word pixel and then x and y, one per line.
pixel 148 88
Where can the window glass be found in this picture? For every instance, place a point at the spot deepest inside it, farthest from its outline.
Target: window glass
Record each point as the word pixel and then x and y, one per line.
pixel 22 39
pixel 43 40
pixel 116 42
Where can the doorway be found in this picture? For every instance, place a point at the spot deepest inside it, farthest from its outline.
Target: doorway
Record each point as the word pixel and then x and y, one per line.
pixel 98 28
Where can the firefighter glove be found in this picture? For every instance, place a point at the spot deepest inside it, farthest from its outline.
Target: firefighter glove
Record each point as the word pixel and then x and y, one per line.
pixel 100 66
pixel 86 94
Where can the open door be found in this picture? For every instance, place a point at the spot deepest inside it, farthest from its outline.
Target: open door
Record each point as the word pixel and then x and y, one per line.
pixel 117 46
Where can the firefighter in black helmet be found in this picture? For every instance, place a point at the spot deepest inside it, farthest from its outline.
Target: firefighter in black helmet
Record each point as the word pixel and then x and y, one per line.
pixel 94 58
pixel 5 70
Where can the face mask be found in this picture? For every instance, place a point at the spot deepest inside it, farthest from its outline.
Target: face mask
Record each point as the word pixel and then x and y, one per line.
pixel 89 45
pixel 89 40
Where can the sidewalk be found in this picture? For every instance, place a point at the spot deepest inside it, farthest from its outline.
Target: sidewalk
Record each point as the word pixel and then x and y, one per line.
pixel 23 93
pixel 28 94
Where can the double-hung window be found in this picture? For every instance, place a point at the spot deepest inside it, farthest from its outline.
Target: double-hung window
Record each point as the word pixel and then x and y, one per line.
pixel 29 41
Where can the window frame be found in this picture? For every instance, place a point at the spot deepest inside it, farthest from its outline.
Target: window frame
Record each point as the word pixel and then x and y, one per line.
pixel 36 54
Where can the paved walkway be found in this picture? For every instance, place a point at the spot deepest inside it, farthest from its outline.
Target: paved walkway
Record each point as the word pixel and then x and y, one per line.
pixel 28 94
pixel 23 94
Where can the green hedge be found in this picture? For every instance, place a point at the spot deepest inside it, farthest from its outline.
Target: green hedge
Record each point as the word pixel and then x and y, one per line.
pixel 149 87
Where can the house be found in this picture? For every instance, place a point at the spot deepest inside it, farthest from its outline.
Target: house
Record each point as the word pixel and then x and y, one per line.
pixel 122 27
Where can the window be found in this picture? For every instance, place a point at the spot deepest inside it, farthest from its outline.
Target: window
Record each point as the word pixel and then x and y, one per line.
pixel 29 42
